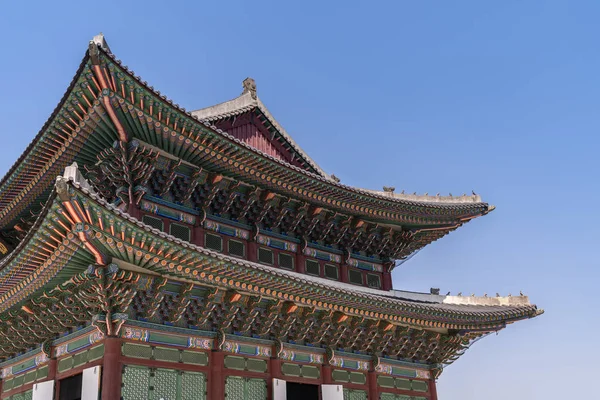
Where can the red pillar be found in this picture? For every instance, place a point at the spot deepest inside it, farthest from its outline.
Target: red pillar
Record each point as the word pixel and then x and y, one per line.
pixel 52 364
pixel 372 382
pixel 111 372
pixel 216 384
pixel 326 371
pixel 344 273
pixel 300 262
pixel 252 249
pixel 274 373
pixel 387 281
pixel 432 389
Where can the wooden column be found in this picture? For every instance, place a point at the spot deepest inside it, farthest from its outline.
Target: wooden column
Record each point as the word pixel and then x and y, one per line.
pixel 252 249
pixel 326 372
pixel 372 382
pixel 387 281
pixel 300 262
pixel 432 389
pixel 111 369
pixel 216 383
pixel 52 369
pixel 274 373
pixel 344 272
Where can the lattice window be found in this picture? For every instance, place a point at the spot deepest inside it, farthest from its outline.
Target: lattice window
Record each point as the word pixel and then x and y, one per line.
pixel 142 383
pixel 213 242
pixel 193 386
pixel 313 267
pixel 286 261
pixel 355 277
pixel 331 272
pixel 163 384
pixel 350 394
pixel 373 281
pixel 237 249
pixel 153 222
pixel 238 388
pixel 265 256
pixel 135 383
pixel 180 232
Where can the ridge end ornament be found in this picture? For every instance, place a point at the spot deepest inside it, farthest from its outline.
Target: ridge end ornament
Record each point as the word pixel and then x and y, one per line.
pixel 249 85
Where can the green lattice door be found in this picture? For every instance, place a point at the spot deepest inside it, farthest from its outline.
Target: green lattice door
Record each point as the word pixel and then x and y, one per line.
pixel 350 394
pixel 238 388
pixel 142 383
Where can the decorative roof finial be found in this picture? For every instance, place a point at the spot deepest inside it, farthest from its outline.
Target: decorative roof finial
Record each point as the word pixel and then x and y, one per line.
pixel 335 178
pixel 389 189
pixel 249 86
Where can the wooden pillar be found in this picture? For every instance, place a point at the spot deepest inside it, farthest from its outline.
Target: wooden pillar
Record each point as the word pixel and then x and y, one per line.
pixel 372 382
pixel 274 373
pixel 326 372
pixel 387 281
pixel 111 372
pixel 432 389
pixel 52 370
pixel 344 272
pixel 252 251
pixel 216 383
pixel 300 262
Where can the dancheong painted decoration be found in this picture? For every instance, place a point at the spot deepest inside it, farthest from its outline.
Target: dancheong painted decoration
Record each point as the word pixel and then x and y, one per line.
pixel 149 252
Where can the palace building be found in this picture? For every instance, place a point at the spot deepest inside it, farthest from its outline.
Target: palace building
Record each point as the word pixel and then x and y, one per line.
pixel 149 252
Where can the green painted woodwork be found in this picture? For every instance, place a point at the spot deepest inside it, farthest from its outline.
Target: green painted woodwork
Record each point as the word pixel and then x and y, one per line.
pixel 238 388
pixel 310 371
pixel 411 373
pixel 77 344
pixel 392 396
pixel 403 384
pixel 23 366
pixel 351 394
pixel 148 352
pixel 137 350
pixel 81 358
pixel 166 354
pixel 291 369
pixel 143 383
pixel 65 364
pixel 305 371
pixel 339 375
pixel 8 384
pixel 358 377
pixel 168 339
pixel 256 365
pixel 420 386
pixel 135 382
pixel 42 372
pixel 21 396
pixel 233 362
pixel 245 364
pixel 385 381
pixel 194 357
pixel 163 384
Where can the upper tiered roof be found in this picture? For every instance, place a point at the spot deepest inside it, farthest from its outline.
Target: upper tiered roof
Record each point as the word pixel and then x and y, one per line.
pixel 96 112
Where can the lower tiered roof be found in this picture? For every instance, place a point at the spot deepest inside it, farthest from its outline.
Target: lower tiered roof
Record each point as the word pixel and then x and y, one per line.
pixel 86 259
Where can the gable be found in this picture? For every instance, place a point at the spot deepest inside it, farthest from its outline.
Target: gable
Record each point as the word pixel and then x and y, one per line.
pixel 253 130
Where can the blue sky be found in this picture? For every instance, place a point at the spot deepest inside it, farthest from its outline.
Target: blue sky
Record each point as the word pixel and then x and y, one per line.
pixel 497 97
